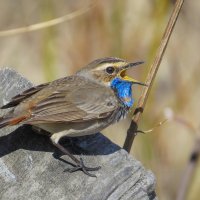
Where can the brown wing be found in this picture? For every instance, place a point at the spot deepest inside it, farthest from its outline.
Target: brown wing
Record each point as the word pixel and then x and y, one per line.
pixel 77 100
pixel 24 95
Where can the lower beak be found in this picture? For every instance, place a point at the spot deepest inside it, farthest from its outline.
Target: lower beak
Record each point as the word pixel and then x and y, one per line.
pixel 123 75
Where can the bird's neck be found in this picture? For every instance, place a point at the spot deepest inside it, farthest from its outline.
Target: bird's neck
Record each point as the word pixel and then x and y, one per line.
pixel 123 91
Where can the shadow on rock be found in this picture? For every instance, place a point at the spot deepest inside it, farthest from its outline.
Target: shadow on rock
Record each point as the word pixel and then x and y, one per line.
pixel 25 138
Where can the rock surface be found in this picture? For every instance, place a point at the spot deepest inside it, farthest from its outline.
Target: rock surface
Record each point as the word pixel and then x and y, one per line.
pixel 29 168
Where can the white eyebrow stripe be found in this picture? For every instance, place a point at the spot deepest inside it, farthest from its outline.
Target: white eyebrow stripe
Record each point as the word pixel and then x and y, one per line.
pixel 105 65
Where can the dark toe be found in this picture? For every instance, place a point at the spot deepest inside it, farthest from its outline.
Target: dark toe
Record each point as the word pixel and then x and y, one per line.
pixel 81 166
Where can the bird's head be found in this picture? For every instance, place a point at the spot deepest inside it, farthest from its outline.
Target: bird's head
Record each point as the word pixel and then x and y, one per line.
pixel 105 70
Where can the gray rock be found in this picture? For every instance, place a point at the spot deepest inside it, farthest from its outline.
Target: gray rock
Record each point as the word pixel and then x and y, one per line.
pixel 30 167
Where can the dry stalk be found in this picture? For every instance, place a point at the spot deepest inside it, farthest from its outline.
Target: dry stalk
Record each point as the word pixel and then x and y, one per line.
pixel 132 131
pixel 46 24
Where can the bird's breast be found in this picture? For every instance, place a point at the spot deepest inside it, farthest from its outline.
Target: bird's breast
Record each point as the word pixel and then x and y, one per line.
pixel 120 113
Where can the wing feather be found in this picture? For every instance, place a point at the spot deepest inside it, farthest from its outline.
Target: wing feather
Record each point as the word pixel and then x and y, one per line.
pixel 69 103
pixel 24 95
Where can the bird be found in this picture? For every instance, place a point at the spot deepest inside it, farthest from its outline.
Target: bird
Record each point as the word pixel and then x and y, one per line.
pixel 96 96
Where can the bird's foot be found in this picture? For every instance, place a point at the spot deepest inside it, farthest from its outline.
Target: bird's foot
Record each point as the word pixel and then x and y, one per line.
pixel 81 166
pixel 79 163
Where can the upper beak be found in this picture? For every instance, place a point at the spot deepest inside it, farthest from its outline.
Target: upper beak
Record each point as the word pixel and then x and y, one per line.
pixel 123 75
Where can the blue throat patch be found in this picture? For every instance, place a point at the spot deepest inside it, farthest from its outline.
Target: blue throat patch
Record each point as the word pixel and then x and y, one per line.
pixel 124 91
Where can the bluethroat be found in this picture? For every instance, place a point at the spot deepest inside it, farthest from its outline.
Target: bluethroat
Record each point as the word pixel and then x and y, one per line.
pixel 98 95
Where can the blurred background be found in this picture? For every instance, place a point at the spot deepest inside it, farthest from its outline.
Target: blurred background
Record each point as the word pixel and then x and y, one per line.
pixel 131 30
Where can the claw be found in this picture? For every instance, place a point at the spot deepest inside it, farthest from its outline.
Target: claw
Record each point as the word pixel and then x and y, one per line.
pixel 79 163
pixel 81 166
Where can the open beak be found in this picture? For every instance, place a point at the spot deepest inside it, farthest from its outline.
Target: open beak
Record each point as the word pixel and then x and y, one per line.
pixel 123 75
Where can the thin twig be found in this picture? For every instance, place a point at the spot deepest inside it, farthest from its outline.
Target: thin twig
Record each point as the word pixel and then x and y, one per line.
pixel 189 171
pixel 46 24
pixel 152 129
pixel 132 131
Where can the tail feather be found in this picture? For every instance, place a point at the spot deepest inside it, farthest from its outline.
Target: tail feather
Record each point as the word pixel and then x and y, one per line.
pixel 10 121
pixel 4 122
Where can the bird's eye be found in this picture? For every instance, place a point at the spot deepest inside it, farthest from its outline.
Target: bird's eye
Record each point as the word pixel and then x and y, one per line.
pixel 110 70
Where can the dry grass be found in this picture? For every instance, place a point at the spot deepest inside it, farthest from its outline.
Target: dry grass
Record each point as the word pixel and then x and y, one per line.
pixel 131 30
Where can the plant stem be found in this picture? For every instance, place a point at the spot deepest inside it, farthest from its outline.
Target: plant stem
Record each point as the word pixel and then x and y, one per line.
pixel 132 131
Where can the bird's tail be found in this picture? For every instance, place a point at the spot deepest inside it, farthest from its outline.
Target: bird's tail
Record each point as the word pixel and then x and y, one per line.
pixel 4 122
pixel 10 120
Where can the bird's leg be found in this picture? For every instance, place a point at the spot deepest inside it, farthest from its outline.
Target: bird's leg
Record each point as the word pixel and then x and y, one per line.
pixel 79 163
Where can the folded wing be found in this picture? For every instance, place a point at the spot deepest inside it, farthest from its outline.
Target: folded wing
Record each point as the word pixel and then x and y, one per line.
pixel 78 100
